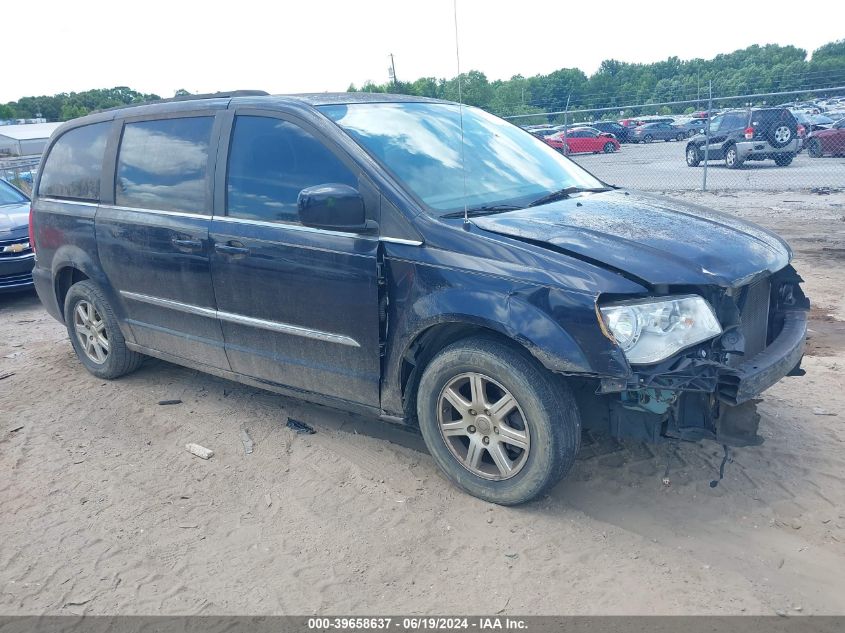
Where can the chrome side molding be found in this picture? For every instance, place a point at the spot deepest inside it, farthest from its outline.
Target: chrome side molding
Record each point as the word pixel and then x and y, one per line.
pixel 273 326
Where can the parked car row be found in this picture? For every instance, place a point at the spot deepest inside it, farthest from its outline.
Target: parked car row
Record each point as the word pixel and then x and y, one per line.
pixel 811 116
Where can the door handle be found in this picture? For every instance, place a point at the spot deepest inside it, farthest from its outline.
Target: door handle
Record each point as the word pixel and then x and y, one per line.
pixel 192 246
pixel 232 248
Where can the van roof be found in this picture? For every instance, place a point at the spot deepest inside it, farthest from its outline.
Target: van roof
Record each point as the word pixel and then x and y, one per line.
pixel 257 98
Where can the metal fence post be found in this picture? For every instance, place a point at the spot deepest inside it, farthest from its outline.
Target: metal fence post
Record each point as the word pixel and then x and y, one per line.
pixel 707 137
pixel 566 126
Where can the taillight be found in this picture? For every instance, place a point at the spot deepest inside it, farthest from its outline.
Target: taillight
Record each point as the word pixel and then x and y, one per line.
pixel 749 133
pixel 801 130
pixel 31 230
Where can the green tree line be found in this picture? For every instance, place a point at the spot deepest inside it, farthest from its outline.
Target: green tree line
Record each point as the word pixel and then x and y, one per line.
pixel 69 105
pixel 753 70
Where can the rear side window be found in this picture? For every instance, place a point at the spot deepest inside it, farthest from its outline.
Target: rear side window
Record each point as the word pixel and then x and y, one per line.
pixel 734 121
pixel 270 162
pixel 162 165
pixel 72 169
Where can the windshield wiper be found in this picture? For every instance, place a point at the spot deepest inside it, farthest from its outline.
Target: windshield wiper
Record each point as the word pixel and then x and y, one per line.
pixel 564 193
pixel 487 209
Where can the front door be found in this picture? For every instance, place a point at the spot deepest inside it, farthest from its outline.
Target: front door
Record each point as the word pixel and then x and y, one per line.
pixel 298 306
pixel 152 237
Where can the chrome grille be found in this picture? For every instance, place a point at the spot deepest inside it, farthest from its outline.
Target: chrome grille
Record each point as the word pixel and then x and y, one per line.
pixel 754 317
pixel 9 248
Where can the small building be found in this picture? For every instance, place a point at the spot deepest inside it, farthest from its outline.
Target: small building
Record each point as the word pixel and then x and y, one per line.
pixel 25 140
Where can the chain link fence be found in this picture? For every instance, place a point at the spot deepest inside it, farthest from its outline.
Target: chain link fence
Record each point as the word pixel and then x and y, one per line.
pixel 769 141
pixel 20 171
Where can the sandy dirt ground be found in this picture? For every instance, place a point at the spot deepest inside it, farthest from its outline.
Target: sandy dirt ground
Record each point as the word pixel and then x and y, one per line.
pixel 102 511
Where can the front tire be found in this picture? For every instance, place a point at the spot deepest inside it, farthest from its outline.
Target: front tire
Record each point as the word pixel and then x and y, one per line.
pixel 609 148
pixel 498 424
pixel 95 334
pixel 680 137
pixel 648 138
pixel 693 156
pixel 814 148
pixel 783 160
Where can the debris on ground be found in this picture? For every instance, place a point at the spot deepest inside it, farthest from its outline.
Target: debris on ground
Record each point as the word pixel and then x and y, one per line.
pixel 246 440
pixel 268 500
pixel 168 402
pixel 820 411
pixel 200 451
pixel 300 427
pixel 8 374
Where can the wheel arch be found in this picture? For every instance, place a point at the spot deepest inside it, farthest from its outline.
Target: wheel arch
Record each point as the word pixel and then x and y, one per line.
pixel 548 343
pixel 71 264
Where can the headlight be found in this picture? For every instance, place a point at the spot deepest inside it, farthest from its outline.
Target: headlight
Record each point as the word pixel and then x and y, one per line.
pixel 651 330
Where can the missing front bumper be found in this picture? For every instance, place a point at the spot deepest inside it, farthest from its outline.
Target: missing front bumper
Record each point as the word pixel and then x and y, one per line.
pixel 782 357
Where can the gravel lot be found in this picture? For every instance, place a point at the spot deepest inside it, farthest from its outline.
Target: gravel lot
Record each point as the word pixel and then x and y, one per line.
pixel 104 512
pixel 661 166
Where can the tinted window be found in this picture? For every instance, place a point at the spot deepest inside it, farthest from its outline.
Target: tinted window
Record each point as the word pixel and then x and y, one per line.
pixel 162 164
pixel 733 121
pixel 73 167
pixel 270 162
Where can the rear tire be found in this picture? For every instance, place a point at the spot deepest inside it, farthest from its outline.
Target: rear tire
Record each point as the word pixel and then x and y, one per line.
pixel 680 137
pixel 609 148
pixel 538 434
pixel 95 334
pixel 783 160
pixel 648 138
pixel 732 159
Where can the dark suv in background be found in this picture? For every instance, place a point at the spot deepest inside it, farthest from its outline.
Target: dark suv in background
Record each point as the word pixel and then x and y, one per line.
pixel 737 136
pixel 416 260
pixel 621 133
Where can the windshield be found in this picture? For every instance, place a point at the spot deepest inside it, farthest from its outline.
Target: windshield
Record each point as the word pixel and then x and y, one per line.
pixel 10 195
pixel 420 143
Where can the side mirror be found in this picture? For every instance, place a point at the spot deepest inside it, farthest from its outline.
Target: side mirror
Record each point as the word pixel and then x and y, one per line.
pixel 332 206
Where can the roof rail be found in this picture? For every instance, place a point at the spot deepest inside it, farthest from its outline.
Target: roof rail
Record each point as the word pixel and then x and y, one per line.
pixel 228 94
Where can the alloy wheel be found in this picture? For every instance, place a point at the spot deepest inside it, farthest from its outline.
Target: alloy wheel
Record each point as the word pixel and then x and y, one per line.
pixel 783 134
pixel 483 426
pixel 91 332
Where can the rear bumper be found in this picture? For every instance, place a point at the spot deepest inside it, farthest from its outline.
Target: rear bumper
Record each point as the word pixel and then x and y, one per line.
pixel 46 292
pixel 16 273
pixel 779 359
pixel 745 149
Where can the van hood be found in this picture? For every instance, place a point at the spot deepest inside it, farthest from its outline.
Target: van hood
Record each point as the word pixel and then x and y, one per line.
pixel 13 217
pixel 652 238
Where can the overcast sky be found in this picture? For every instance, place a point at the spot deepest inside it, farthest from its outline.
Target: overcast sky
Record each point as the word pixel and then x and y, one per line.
pixel 323 45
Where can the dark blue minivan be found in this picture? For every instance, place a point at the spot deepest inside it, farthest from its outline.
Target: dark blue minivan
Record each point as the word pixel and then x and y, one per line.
pixel 417 260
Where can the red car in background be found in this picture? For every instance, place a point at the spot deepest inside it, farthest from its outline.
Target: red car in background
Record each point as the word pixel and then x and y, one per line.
pixel 830 141
pixel 584 139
